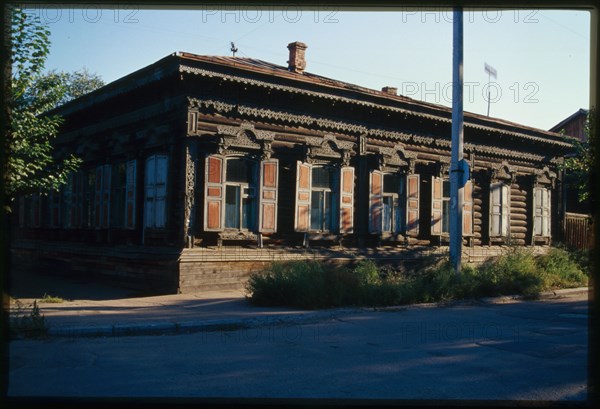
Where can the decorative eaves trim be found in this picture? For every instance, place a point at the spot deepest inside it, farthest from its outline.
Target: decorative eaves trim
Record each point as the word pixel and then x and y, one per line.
pixel 223 107
pixel 295 90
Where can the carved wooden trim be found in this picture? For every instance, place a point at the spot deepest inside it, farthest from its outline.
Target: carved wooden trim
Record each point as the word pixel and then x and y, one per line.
pixel 337 126
pixel 244 136
pixel 543 177
pixel 503 172
pixel 192 122
pixel 353 101
pixel 328 147
pixel 190 186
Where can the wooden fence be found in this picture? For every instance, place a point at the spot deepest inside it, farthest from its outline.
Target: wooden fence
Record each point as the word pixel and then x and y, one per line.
pixel 579 232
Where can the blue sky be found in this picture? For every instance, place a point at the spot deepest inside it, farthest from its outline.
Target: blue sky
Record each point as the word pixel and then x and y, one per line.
pixel 541 56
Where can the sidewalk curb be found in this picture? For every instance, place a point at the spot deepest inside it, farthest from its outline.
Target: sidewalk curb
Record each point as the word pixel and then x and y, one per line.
pixel 232 324
pixel 546 295
pixel 186 327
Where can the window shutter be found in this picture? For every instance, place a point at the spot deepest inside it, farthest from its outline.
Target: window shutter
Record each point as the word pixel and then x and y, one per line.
pixel 303 186
pixel 436 206
pixel 537 211
pixel 130 194
pixel 269 178
pixel 495 210
pixel 105 195
pixel 21 211
pixel 412 205
pixel 505 211
pixel 375 202
pixel 468 209
pixel 55 207
pixel 160 201
pixel 214 193
pixel 98 197
pixel 547 215
pixel 37 209
pixel 347 199
pixel 150 191
pixel 79 199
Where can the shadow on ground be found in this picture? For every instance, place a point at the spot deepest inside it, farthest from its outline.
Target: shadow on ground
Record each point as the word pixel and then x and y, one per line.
pixel 28 284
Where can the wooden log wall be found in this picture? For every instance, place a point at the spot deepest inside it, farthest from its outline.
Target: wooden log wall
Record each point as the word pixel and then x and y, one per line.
pixel 478 224
pixel 518 214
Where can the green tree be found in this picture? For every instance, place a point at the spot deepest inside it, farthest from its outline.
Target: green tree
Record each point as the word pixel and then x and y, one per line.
pixel 582 163
pixel 31 161
pixel 64 86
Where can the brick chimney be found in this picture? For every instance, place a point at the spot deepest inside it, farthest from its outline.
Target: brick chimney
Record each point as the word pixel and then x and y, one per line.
pixel 297 63
pixel 390 90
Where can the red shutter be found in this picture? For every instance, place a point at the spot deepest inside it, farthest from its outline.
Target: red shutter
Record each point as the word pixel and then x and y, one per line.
pixel 468 209
pixel 130 194
pixel 269 177
pixel 412 205
pixel 214 193
pixel 303 186
pixel 436 206
pixel 375 201
pixel 347 199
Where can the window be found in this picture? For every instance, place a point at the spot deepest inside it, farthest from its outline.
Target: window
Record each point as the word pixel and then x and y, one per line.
pixel 88 207
pixel 72 201
pixel 155 192
pixel 36 210
pixel 102 196
pixel 440 207
pixel 117 206
pixel 240 194
pixel 391 214
pixel 541 221
pixel 446 206
pixel 54 205
pixel 324 198
pixel 130 194
pixel 499 210
pixel 321 204
pixel 123 195
pixel 394 199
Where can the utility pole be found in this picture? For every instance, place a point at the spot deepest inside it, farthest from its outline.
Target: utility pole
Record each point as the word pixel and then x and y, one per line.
pixel 456 161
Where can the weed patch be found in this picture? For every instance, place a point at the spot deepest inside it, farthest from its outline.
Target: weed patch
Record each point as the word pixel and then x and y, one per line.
pixel 27 321
pixel 50 299
pixel 312 284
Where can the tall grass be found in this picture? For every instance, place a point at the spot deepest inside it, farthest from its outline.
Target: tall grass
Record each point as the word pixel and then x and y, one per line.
pixel 313 284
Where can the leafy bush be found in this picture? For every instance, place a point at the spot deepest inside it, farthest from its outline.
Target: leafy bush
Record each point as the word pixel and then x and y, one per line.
pixel 312 284
pixel 514 272
pixel 367 272
pixel 561 270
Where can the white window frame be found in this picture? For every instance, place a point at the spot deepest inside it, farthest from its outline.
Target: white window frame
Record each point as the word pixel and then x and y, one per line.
pixel 155 192
pixel 252 188
pixel 499 209
pixel 332 200
pixel 542 207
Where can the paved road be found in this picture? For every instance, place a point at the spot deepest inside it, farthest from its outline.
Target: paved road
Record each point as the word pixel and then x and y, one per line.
pixel 515 351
